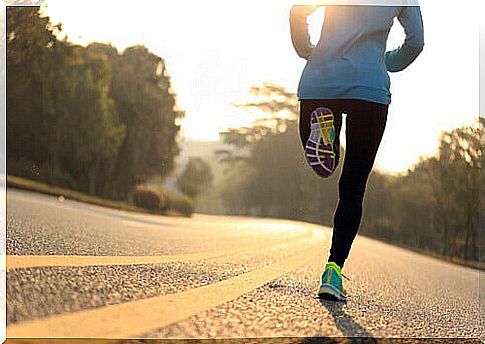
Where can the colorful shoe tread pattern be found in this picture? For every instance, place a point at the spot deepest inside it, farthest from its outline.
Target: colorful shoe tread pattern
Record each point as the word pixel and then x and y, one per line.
pixel 319 148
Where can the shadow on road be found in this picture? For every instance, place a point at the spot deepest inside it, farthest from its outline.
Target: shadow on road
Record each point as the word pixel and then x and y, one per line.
pixel 346 324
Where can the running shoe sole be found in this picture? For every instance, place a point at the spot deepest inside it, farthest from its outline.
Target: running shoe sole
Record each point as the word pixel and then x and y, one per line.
pixel 319 150
pixel 329 292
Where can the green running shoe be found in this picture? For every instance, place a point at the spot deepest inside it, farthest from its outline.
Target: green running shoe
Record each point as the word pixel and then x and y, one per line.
pixel 331 287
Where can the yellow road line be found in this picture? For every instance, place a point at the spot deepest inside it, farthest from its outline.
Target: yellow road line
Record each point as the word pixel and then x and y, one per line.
pixel 134 318
pixel 59 341
pixel 19 262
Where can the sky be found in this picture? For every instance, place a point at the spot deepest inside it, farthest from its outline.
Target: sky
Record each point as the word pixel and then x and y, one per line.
pixel 215 50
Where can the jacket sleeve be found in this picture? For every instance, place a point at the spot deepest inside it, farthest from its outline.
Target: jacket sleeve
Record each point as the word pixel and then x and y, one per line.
pixel 412 22
pixel 299 29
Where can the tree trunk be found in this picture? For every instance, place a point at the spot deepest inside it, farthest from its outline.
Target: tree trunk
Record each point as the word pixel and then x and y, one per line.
pixel 468 230
pixel 92 175
pixel 445 236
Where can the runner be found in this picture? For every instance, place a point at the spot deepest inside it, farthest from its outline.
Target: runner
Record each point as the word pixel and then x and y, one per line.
pixel 346 73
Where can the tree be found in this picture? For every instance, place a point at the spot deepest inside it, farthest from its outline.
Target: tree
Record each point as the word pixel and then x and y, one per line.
pixel 92 124
pixel 30 39
pixel 195 178
pixel 276 180
pixel 69 125
pixel 436 205
pixel 460 162
pixel 95 120
pixel 141 89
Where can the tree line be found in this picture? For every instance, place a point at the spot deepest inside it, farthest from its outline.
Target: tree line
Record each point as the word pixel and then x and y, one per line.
pixel 88 118
pixel 435 206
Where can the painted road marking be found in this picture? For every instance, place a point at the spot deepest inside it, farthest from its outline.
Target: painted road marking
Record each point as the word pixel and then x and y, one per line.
pixel 22 262
pixel 134 318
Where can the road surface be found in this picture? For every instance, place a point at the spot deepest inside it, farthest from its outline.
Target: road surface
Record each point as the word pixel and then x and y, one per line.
pixel 78 270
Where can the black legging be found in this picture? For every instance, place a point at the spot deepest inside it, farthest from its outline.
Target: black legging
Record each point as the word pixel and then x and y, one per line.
pixel 365 124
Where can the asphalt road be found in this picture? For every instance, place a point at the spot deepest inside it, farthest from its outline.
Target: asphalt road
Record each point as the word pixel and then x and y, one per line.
pixel 86 271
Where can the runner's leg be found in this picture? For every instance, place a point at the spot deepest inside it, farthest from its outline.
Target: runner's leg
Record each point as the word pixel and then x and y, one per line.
pixel 365 124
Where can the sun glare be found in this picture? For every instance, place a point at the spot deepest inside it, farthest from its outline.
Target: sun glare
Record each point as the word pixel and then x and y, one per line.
pixel 216 50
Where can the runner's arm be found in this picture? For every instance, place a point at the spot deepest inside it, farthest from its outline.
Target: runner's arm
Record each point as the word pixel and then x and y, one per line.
pixel 412 22
pixel 299 29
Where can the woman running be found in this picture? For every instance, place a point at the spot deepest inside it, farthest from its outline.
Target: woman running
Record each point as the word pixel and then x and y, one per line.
pixel 346 72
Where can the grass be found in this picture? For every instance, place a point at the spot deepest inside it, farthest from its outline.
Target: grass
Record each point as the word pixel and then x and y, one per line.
pixel 456 260
pixel 30 185
pixel 26 184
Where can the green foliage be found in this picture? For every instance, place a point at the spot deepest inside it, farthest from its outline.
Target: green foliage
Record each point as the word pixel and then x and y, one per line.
pixel 162 201
pixel 29 43
pixel 142 92
pixel 195 178
pixel 105 120
pixel 35 172
pixel 434 207
pixel 179 203
pixel 147 199
pixel 271 177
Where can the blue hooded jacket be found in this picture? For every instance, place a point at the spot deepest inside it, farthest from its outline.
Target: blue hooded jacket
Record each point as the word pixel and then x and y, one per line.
pixel 350 60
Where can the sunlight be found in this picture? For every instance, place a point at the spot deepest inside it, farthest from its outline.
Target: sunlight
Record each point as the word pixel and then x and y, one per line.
pixel 216 50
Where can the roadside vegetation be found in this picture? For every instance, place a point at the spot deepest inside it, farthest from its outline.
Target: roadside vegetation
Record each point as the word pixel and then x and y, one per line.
pixel 89 119
pixel 98 125
pixel 433 208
